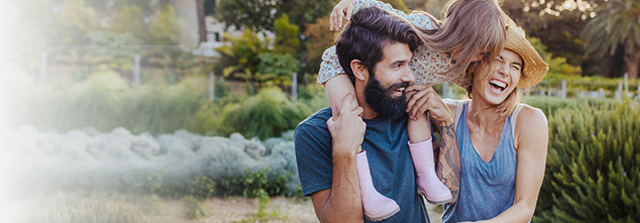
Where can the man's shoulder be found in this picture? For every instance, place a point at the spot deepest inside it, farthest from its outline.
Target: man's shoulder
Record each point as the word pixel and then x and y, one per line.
pixel 317 120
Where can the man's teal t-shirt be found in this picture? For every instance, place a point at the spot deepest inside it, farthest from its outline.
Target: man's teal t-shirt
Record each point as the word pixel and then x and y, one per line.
pixel 385 141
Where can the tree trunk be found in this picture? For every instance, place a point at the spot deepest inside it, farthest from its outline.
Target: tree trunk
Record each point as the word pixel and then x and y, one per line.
pixel 202 28
pixel 632 59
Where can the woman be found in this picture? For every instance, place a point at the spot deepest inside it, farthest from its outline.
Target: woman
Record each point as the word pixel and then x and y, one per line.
pixel 502 143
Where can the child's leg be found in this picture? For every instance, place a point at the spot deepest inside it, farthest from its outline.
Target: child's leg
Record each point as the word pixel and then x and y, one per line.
pixel 376 206
pixel 422 155
pixel 337 88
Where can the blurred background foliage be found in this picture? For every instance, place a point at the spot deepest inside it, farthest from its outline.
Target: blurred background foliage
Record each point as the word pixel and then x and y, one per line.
pixel 592 167
pixel 106 101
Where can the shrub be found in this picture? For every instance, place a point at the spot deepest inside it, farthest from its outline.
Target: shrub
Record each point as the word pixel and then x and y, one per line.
pixel 203 187
pixel 592 172
pixel 265 115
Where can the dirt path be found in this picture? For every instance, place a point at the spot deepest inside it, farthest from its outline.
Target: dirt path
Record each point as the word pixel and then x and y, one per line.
pixel 158 210
pixel 240 209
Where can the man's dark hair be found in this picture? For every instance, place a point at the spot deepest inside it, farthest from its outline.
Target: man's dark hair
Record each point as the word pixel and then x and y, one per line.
pixel 370 30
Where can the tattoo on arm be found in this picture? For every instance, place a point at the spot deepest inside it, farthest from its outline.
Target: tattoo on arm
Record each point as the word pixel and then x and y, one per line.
pixel 448 163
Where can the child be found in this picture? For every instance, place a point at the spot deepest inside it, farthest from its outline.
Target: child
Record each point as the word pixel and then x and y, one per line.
pixel 471 30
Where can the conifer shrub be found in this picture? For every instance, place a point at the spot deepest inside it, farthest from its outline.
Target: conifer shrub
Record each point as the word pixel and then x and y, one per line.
pixel 592 172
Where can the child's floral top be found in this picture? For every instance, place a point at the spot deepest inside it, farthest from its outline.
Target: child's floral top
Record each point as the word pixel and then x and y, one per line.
pixel 428 66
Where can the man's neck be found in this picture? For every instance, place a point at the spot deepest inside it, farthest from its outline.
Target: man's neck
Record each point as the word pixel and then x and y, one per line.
pixel 368 112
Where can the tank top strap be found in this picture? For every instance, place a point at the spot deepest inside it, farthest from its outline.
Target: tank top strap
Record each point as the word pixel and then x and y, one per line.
pixel 459 109
pixel 514 117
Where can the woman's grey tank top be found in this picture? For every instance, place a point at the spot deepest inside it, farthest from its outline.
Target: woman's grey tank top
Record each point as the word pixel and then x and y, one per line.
pixel 486 189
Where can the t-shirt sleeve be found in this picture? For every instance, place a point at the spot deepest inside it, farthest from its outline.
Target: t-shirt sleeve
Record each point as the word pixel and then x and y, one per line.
pixel 313 154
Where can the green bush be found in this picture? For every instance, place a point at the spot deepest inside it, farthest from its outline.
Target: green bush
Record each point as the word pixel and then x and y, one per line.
pixel 267 114
pixel 252 183
pixel 549 105
pixel 203 187
pixel 592 172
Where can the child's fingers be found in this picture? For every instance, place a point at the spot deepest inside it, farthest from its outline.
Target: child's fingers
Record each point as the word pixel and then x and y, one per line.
pixel 420 107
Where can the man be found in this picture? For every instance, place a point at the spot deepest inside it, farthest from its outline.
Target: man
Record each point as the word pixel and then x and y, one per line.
pixel 375 50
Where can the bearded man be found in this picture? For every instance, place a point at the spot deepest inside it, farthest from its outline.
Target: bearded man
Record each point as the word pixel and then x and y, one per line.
pixel 375 49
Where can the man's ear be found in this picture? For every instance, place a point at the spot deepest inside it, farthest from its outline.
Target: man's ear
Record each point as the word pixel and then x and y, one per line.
pixel 360 71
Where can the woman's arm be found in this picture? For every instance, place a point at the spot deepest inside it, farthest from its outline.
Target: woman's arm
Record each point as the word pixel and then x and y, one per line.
pixel 532 136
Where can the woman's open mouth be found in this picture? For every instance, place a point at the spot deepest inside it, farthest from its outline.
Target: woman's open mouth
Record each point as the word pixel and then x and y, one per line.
pixel 497 86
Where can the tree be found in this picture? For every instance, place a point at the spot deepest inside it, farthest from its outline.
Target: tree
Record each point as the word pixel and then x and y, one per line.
pixel 617 24
pixel 287 36
pixel 257 15
pixel 241 58
pixel 318 40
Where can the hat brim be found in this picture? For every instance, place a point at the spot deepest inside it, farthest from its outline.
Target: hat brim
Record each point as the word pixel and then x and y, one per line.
pixel 534 66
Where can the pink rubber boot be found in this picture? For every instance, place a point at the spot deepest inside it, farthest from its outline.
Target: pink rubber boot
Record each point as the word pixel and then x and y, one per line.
pixel 426 180
pixel 376 206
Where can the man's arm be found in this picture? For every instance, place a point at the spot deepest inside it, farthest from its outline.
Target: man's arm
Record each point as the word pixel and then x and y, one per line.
pixel 342 203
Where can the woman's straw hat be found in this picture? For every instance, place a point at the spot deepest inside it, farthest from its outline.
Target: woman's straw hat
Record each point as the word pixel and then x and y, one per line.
pixel 534 66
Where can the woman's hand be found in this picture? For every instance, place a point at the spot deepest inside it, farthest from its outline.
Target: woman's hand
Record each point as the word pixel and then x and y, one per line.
pixel 341 10
pixel 422 98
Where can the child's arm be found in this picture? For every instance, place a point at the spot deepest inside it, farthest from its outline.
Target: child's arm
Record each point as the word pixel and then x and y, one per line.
pixel 337 88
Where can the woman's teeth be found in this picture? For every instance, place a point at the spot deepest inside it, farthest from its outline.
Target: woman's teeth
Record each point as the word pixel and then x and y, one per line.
pixel 498 84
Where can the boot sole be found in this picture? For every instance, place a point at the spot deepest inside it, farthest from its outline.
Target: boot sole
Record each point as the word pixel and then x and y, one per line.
pixel 383 217
pixel 434 201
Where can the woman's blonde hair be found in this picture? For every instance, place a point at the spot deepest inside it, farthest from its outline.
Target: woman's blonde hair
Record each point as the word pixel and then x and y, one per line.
pixel 468 28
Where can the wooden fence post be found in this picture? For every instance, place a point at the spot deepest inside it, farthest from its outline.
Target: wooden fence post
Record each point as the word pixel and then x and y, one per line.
pixel 136 71
pixel 294 86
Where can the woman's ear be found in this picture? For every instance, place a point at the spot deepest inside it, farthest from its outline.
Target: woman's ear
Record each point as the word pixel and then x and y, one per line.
pixel 360 71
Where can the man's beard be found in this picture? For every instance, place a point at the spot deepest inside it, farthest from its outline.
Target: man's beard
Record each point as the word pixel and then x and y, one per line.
pixel 381 101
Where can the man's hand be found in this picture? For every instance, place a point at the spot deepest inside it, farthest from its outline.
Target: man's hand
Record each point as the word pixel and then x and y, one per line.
pixel 348 130
pixel 341 10
pixel 422 98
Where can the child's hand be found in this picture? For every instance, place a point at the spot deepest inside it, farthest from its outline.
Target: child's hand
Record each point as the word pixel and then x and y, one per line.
pixel 422 98
pixel 342 9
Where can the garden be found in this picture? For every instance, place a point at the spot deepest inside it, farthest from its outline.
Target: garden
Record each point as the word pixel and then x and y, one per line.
pixel 110 112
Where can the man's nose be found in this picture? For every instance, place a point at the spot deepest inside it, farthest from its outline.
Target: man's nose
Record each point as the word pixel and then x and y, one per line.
pixel 407 75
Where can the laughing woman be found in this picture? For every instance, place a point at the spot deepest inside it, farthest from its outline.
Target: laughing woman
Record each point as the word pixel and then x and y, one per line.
pixel 503 144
